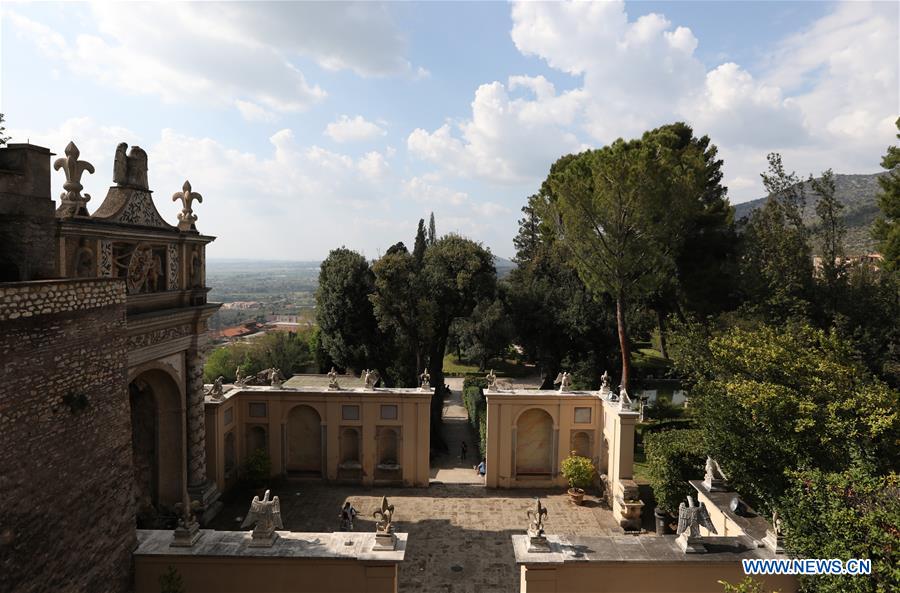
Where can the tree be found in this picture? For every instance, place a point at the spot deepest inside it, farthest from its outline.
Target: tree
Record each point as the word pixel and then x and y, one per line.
pixel 771 399
pixel 404 308
pixel 673 458
pixel 831 233
pixel 345 314
pixel 458 274
pixel 3 137
pixel 421 243
pixel 621 211
pixel 853 513
pixel 432 233
pixel 486 333
pixel 776 263
pixel 887 226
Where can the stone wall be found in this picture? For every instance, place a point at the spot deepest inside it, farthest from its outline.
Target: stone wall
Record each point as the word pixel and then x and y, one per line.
pixel 65 442
pixel 27 214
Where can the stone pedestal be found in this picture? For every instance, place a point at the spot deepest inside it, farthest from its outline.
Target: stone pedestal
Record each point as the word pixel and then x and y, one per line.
pixel 186 536
pixel 262 539
pixel 716 485
pixel 774 541
pixel 385 541
pixel 689 544
pixel 627 506
pixel 537 542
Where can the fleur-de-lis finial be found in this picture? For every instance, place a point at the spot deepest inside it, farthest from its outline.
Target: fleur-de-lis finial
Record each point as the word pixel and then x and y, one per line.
pixel 72 203
pixel 186 218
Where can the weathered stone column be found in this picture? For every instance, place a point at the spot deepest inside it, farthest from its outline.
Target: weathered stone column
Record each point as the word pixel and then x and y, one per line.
pixel 196 420
pixel 199 487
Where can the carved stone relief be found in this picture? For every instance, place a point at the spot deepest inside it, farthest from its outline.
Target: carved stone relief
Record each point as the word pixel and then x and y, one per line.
pixel 106 259
pixel 158 335
pixel 173 267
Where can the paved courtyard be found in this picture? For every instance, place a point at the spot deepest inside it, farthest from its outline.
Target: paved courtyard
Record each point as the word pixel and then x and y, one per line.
pixel 459 531
pixel 458 534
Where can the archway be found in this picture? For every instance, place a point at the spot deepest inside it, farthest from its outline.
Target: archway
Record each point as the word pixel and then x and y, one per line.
pixel 156 436
pixel 257 440
pixel 534 446
pixel 304 440
pixel 349 446
pixel 230 454
pixel 581 444
pixel 387 447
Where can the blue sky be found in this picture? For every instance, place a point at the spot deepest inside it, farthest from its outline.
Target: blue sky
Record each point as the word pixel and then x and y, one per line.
pixel 310 126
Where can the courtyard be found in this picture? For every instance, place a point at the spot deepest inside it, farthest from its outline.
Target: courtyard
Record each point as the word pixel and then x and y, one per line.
pixel 459 535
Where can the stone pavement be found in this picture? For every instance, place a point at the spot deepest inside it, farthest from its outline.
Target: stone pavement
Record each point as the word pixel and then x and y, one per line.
pixel 448 468
pixel 459 535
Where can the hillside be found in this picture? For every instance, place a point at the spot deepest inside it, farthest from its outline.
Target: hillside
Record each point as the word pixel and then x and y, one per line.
pixel 856 192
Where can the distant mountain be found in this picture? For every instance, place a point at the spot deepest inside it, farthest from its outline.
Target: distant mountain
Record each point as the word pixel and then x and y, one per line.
pixel 858 195
pixel 503 265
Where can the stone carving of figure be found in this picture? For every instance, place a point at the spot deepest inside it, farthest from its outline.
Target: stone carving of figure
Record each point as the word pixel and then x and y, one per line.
pixel 604 382
pixel 84 260
pixel 276 378
pixel 491 380
pixel 777 523
pixel 564 380
pixel 238 376
pixel 384 516
pixel 216 390
pixel 130 169
pixel 691 517
pixel 624 398
pixel 265 516
pixel 371 378
pixel 155 275
pixel 425 380
pixel 714 480
pixel 196 264
pixel 332 379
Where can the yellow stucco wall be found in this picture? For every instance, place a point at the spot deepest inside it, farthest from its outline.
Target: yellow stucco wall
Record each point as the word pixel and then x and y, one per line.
pixel 233 415
pixel 271 575
pixel 607 424
pixel 636 577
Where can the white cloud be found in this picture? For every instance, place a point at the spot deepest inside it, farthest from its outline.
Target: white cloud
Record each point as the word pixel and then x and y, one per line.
pixel 508 139
pixel 827 96
pixel 227 53
pixel 422 189
pixel 353 129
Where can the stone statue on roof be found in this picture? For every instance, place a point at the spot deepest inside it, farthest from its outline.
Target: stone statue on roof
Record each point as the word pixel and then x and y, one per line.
pixel 491 379
pixel 564 380
pixel 690 518
pixel 425 380
pixel 370 376
pixel 332 379
pixel 265 516
pixel 131 169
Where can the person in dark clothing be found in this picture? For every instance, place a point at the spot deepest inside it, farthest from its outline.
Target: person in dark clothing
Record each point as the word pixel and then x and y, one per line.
pixel 463 449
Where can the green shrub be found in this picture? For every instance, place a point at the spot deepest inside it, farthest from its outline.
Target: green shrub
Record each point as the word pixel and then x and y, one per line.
pixel 579 471
pixel 476 406
pixel 673 458
pixel 258 468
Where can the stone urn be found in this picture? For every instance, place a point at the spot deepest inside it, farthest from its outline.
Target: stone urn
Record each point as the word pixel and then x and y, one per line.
pixel 576 495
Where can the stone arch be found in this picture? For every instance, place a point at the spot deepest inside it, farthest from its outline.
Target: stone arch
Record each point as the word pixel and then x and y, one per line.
pixel 157 430
pixel 534 442
pixel 350 445
pixel 388 447
pixel 581 444
pixel 230 453
pixel 304 440
pixel 257 439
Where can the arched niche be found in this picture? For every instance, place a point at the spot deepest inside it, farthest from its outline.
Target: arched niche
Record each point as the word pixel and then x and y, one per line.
pixel 304 440
pixel 534 443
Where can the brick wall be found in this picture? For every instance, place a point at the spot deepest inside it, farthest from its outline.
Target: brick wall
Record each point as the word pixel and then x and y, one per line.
pixel 66 476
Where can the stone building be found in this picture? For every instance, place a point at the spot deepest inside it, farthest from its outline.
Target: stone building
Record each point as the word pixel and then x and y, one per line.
pixel 531 431
pixel 102 332
pixel 359 435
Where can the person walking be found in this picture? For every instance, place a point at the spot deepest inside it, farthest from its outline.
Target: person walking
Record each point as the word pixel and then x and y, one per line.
pixel 347 515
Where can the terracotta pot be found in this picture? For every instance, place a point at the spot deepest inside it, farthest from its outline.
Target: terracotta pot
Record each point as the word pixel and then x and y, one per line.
pixel 576 495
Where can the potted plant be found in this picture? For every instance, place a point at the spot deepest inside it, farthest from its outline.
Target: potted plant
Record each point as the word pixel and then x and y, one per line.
pixel 579 471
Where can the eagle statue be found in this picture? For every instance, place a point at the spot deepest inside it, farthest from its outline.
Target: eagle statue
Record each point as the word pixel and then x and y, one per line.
pixel 691 517
pixel 265 514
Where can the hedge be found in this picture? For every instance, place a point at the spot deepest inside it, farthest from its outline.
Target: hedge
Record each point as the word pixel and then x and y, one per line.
pixel 673 458
pixel 476 406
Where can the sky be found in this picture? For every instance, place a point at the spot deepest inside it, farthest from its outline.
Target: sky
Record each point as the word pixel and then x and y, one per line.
pixel 310 126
